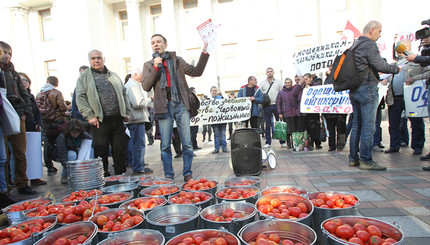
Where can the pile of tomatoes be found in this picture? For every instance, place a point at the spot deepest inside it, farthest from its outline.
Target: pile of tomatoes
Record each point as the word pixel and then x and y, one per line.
pixel 291 189
pixel 22 231
pixel 237 193
pixel 77 196
pixel 112 198
pixel 149 182
pixel 74 241
pixel 145 203
pixel 333 200
pixel 263 239
pixel 282 209
pixel 115 178
pixel 226 215
pixel 242 183
pixel 358 233
pixel 163 190
pixel 80 212
pixel 51 209
pixel 200 239
pixel 117 221
pixel 27 205
pixel 190 197
pixel 202 184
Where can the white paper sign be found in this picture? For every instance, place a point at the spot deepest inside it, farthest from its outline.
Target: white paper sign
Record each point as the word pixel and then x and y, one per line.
pixel 33 153
pixel 415 96
pixel 222 111
pixel 86 151
pixel 208 32
pixel 323 99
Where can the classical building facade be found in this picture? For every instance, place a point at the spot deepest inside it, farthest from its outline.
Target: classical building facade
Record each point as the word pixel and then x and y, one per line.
pixel 53 37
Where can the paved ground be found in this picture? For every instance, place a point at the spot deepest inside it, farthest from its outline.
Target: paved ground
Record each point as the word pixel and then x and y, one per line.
pixel 401 194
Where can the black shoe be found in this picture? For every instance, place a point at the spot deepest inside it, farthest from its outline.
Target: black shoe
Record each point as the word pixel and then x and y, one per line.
pixel 425 158
pixel 52 171
pixel 209 140
pixel 151 143
pixel 178 156
pixel 107 174
pixel 215 152
pixel 391 150
pixel 197 148
pixel 426 168
pixel 38 182
pixel 228 138
pixel 203 140
pixel 26 190
pixel 332 149
pixel 187 177
pixel 318 147
pixel 417 151
pixel 382 147
pixel 225 151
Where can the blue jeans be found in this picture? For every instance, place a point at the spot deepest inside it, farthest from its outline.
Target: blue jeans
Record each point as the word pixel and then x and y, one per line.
pixel 71 156
pixel 219 136
pixel 137 144
pixel 269 112
pixel 179 112
pixel 3 186
pixel 364 102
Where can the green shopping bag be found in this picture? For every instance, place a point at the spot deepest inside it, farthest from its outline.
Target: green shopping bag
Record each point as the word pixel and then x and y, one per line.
pixel 280 130
pixel 300 140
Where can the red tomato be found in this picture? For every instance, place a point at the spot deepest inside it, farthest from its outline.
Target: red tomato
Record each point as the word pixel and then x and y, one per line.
pixel 344 231
pixel 287 242
pixel 275 202
pixel 262 241
pixel 359 227
pixel 137 219
pixel 375 240
pixel 374 231
pixel 302 207
pixel 220 241
pixel 330 226
pixel 19 237
pixel 355 240
pixel 275 238
pixel 363 235
pixel 62 241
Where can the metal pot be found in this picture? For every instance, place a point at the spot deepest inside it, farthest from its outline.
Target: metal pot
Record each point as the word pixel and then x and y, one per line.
pixel 210 190
pixel 85 174
pixel 129 196
pixel 145 211
pixel 237 181
pixel 321 214
pixel 202 204
pixel 86 197
pixel 105 234
pixel 243 207
pixel 136 236
pixel 154 181
pixel 125 187
pixel 133 179
pixel 28 214
pixel 295 199
pixel 251 199
pixel 71 231
pixel 147 191
pixel 285 229
pixel 209 235
pixel 285 189
pixel 388 230
pixel 14 217
pixel 173 220
pixel 114 180
pixel 36 236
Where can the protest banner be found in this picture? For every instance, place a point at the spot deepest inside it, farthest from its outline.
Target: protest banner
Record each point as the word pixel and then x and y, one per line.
pixel 222 111
pixel 33 153
pixel 323 99
pixel 208 32
pixel 415 96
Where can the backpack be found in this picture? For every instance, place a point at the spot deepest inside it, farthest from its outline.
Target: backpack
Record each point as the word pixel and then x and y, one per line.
pixel 344 72
pixel 45 107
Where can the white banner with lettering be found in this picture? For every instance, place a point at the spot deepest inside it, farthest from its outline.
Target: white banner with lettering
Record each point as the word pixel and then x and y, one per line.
pixel 222 111
pixel 323 99
pixel 416 96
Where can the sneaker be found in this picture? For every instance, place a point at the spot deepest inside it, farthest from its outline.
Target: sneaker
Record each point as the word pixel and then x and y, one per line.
pixel 148 171
pixel 38 182
pixel 382 146
pixel 225 151
pixel 426 168
pixel 266 146
pixel 425 158
pixel 371 166
pixel 64 180
pixel 354 163
pixel 178 155
pixel 52 171
pixel 377 149
pixel 284 145
pixel 215 152
pixel 26 190
pixel 187 177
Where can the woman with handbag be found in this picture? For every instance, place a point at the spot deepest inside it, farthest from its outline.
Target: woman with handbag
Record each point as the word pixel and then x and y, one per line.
pixel 287 106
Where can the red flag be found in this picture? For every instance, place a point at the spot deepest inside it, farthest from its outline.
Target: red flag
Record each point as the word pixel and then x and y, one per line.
pixel 350 32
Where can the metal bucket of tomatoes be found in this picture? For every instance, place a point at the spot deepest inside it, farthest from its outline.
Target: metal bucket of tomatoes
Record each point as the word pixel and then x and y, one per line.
pixel 242 193
pixel 285 189
pixel 202 184
pixel 154 181
pixel 160 190
pixel 113 200
pixel 15 212
pixel 201 199
pixel 341 230
pixel 27 232
pixel 243 181
pixel 83 232
pixel 285 206
pixel 230 215
pixel 278 231
pixel 173 220
pixel 114 180
pixel 124 187
pixel 205 236
pixel 145 204
pixel 330 204
pixel 136 236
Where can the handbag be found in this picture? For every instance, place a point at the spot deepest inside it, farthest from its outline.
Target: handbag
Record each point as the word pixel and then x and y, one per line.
pixel 10 121
pixel 266 98
pixel 280 130
pixel 194 104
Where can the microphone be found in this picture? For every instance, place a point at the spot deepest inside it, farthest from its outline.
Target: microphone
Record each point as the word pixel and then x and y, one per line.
pixel 156 55
pixel 401 49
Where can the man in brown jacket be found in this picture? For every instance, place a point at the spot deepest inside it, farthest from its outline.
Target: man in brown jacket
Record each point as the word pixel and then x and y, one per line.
pixel 53 109
pixel 165 73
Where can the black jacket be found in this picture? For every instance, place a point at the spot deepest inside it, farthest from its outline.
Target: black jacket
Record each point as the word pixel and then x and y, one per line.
pixel 65 143
pixel 36 118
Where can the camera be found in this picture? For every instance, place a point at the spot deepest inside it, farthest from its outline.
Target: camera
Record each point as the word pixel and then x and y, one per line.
pixel 425 32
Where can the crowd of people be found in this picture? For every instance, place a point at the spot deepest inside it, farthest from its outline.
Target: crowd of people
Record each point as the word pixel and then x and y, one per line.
pixel 158 95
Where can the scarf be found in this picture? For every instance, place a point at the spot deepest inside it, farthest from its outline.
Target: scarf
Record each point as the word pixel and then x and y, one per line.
pixel 173 79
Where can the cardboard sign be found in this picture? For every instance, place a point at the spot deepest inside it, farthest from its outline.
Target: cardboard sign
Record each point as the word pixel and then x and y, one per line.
pixel 222 111
pixel 208 32
pixel 415 96
pixel 323 99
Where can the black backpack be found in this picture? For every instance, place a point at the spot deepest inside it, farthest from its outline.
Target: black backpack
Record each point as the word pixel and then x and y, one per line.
pixel 344 74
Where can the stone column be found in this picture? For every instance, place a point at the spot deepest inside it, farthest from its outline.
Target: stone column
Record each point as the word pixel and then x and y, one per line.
pixel 135 29
pixel 168 17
